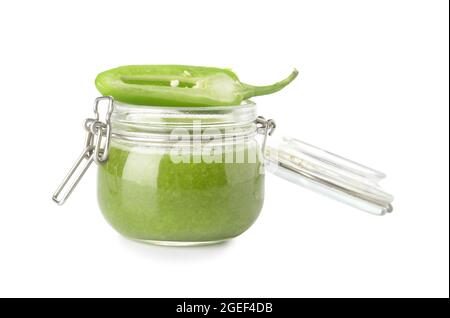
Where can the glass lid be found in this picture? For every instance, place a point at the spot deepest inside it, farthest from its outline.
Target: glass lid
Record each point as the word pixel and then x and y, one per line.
pixel 328 174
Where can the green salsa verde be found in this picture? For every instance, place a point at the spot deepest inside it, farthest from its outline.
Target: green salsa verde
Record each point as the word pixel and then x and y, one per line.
pixel 145 195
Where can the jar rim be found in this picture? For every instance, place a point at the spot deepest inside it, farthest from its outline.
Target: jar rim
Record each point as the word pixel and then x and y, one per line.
pixel 149 122
pixel 244 104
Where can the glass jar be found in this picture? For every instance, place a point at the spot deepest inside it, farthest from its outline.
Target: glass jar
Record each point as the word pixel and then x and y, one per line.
pixel 182 176
pixel 195 175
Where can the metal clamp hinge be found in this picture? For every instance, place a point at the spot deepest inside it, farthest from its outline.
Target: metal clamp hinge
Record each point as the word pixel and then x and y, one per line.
pixel 96 148
pixel 265 127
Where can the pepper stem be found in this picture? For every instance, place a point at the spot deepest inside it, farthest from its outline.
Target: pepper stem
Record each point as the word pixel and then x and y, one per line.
pixel 251 90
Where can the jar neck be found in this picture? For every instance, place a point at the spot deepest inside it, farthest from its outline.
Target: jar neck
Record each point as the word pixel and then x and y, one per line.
pixel 153 123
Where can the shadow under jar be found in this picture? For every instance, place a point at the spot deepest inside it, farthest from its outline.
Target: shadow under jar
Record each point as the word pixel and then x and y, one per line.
pixel 182 176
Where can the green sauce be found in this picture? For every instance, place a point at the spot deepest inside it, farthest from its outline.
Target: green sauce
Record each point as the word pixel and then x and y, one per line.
pixel 145 195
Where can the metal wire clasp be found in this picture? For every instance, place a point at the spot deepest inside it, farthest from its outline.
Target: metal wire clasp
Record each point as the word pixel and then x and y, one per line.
pixel 98 131
pixel 265 127
pixel 96 149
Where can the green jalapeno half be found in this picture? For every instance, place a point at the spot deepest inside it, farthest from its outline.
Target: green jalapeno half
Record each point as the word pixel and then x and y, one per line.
pixel 180 85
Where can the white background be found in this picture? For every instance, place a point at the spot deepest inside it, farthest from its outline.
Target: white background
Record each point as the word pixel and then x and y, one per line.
pixel 373 86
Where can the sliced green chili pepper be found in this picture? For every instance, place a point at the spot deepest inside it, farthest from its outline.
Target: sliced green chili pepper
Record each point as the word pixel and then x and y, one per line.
pixel 180 85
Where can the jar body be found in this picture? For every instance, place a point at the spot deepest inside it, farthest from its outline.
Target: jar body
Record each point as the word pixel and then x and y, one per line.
pixel 147 194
